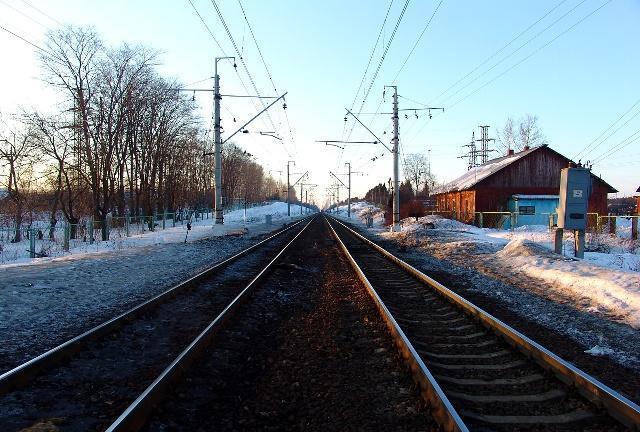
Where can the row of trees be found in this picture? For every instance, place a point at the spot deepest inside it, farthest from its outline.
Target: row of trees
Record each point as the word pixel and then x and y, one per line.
pixel 122 140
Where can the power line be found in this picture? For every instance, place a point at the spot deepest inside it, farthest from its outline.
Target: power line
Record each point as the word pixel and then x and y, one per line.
pixel 609 128
pixel 43 13
pixel 622 144
pixel 530 55
pixel 417 41
pixel 485 61
pixel 25 40
pixel 511 54
pixel 24 14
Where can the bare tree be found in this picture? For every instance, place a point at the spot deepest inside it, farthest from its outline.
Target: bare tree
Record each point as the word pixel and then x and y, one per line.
pixel 16 160
pixel 416 171
pixel 528 134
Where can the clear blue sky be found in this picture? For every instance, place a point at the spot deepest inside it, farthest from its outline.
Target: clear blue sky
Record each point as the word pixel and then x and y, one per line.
pixel 317 51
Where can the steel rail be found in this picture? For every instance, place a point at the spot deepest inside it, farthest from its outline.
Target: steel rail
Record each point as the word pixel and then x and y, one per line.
pixel 22 374
pixel 135 415
pixel 619 407
pixel 441 408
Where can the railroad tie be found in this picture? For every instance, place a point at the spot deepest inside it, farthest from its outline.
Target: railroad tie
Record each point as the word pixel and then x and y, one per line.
pixel 462 345
pixel 538 397
pixel 464 356
pixel 501 366
pixel 458 337
pixel 527 379
pixel 570 417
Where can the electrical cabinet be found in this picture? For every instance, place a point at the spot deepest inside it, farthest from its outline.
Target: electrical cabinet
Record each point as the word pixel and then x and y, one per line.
pixel 575 188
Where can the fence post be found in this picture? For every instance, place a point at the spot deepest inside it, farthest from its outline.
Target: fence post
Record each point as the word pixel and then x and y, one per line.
pixel 90 229
pixel 127 222
pixel 164 219
pixel 634 227
pixel 512 217
pixel 550 222
pixel 174 218
pixel 481 220
pixel 598 224
pixel 612 224
pixel 32 243
pixel 154 217
pixel 67 236
pixel 108 221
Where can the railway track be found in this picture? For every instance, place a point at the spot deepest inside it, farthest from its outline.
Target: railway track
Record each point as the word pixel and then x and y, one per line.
pixel 475 371
pixel 86 382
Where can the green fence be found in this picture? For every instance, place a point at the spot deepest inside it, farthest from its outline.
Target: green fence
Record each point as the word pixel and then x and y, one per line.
pixel 46 241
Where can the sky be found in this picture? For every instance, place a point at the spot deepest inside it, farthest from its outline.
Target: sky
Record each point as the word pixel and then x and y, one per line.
pixel 574 64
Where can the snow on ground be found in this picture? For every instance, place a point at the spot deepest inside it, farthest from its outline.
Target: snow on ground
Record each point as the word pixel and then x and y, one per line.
pixel 48 300
pixel 202 228
pixel 360 210
pixel 611 282
pixel 604 286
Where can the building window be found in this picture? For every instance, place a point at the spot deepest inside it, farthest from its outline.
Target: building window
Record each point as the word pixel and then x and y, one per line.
pixel 527 210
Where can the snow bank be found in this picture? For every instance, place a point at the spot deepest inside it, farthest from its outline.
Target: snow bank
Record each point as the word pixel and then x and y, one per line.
pixel 606 282
pixel 437 222
pixel 360 210
pixel 597 287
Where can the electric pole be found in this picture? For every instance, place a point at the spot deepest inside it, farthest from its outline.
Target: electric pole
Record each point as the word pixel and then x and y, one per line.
pixel 217 143
pixel 395 149
pixel 396 165
pixel 289 189
pixel 349 190
pixel 484 144
pixel 307 192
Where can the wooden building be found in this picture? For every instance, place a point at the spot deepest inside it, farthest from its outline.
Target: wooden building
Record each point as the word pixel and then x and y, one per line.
pixel 533 171
pixel 638 201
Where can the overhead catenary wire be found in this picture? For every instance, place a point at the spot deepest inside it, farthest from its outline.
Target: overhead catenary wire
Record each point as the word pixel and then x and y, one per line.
pixel 206 26
pixel 380 62
pixel 366 69
pixel 384 53
pixel 224 53
pixel 404 63
pixel 266 67
pixel 244 65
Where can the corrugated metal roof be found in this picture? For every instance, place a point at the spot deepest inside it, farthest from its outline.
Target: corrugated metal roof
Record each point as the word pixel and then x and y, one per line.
pixel 481 172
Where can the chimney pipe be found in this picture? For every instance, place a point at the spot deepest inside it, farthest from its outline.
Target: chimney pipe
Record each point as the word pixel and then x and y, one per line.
pixel 511 152
pixel 526 148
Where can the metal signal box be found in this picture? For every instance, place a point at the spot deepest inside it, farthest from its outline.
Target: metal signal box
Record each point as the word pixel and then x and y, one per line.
pixel 575 188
